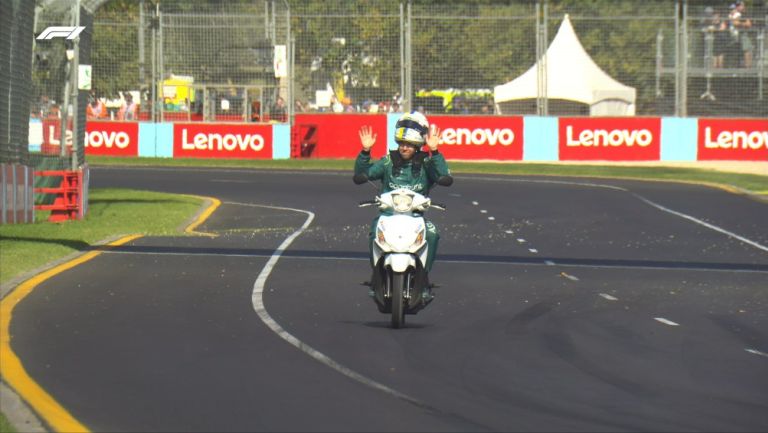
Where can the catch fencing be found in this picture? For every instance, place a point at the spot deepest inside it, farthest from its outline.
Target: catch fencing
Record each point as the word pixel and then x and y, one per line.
pixel 264 60
pixel 448 57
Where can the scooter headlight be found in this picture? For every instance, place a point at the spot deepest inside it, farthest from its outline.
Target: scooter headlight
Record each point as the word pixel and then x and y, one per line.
pixel 402 202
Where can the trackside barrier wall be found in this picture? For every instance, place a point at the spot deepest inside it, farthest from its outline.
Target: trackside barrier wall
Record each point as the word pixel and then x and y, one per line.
pixel 16 194
pixel 498 138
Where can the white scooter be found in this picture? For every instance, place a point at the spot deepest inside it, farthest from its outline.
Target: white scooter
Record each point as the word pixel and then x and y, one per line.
pixel 400 284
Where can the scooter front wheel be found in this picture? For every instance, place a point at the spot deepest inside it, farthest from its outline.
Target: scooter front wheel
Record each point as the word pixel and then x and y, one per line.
pixel 398 281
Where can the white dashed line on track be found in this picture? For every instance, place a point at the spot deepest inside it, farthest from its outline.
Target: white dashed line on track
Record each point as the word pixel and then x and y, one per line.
pixel 757 352
pixel 665 321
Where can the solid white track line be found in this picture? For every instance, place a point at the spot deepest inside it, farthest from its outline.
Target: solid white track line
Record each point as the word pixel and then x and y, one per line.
pixel 257 298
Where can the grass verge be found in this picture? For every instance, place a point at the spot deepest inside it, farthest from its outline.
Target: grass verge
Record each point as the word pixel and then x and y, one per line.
pixel 754 183
pixel 111 212
pixel 5 426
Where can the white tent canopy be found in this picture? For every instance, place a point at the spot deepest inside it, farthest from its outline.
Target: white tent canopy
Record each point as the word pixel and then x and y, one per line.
pixel 572 75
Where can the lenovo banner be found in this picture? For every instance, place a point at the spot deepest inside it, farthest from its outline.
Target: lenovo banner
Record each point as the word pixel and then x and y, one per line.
pixel 480 137
pixel 610 139
pixel 733 139
pixel 112 138
pixel 52 135
pixel 210 140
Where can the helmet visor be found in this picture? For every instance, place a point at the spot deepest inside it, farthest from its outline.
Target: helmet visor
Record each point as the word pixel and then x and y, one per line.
pixel 411 124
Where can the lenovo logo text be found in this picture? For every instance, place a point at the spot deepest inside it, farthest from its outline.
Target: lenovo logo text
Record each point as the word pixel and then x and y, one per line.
pixel 478 137
pixel 227 142
pixel 121 140
pixel 605 138
pixel 736 139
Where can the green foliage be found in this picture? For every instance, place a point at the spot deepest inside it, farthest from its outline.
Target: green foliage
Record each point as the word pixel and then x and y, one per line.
pixel 456 43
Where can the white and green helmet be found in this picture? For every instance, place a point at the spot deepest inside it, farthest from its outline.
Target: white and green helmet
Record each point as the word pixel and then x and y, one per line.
pixel 412 128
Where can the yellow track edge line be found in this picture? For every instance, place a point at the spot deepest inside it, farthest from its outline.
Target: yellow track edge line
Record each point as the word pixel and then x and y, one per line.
pixel 215 203
pixel 11 369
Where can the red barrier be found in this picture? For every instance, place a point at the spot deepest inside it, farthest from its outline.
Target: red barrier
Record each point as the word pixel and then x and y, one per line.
pixel 610 138
pixel 217 140
pixel 733 139
pixel 112 138
pixel 480 137
pixel 68 203
pixel 338 135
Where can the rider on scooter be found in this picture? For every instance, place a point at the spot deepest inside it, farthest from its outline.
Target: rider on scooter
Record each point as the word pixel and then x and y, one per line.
pixel 407 167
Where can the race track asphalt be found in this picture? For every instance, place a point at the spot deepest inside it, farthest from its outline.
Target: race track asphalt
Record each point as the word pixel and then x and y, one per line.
pixel 564 305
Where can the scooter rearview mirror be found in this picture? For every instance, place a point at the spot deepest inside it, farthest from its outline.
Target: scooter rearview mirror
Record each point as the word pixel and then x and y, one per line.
pixel 360 178
pixel 445 180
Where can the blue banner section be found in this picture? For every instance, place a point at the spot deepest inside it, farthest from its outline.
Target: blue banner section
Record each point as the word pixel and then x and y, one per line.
pixel 391 122
pixel 156 140
pixel 540 141
pixel 281 141
pixel 679 139
pixel 35 134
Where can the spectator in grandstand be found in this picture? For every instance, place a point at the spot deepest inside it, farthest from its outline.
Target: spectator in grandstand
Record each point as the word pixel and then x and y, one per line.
pixel 41 108
pixel 255 111
pixel 301 107
pixel 348 106
pixel 277 111
pixel 54 112
pixel 739 25
pixel 336 106
pixel 128 109
pixel 714 30
pixel 95 108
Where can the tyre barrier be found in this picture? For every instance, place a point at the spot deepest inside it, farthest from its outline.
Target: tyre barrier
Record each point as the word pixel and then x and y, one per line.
pixel 68 203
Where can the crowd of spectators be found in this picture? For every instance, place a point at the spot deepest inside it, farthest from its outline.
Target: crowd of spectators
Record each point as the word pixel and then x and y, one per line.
pixel 729 31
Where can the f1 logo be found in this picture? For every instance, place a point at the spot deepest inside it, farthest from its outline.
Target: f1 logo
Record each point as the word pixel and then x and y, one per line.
pixel 60 32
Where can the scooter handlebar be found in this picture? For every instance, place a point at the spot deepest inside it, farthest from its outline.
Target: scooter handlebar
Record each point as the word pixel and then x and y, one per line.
pixel 368 203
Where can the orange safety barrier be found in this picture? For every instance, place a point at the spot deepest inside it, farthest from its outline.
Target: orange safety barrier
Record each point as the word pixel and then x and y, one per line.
pixel 67 205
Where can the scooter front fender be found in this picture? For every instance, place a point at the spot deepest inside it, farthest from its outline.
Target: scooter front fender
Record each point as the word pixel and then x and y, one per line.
pixel 400 262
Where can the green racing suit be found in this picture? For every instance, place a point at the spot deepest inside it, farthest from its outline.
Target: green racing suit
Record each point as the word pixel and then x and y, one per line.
pixel 419 174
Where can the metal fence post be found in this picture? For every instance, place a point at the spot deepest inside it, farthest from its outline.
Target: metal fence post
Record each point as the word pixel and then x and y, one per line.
pixel 160 71
pixel 542 42
pixel 154 78
pixel 407 61
pixel 762 63
pixel 74 83
pixel 681 58
pixel 142 59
